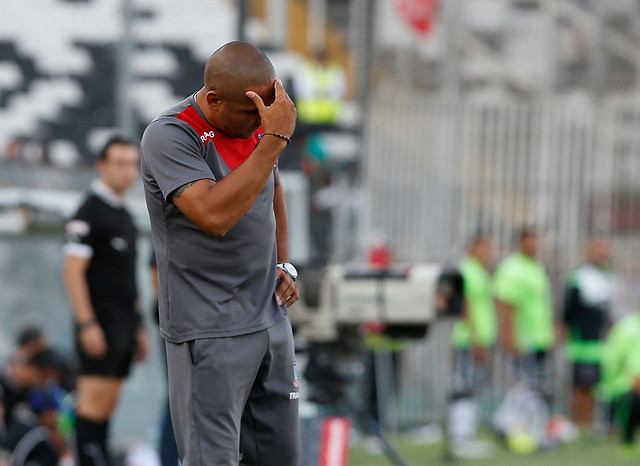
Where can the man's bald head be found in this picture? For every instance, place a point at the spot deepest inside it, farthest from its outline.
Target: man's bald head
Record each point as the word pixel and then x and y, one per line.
pixel 237 67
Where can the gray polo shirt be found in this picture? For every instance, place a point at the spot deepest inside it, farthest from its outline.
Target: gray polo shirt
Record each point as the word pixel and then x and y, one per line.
pixel 209 286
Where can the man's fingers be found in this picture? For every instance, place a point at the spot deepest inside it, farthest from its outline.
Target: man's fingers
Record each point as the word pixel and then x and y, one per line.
pixel 100 350
pixel 97 352
pixel 256 99
pixel 294 297
pixel 284 290
pixel 287 291
pixel 93 343
pixel 279 89
pixel 281 93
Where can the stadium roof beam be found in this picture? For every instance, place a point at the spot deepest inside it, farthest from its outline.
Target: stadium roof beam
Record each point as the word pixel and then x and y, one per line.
pixel 615 42
pixel 125 116
pixel 604 39
pixel 459 38
pixel 469 43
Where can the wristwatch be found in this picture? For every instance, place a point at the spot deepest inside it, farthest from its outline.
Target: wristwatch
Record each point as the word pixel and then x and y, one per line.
pixel 289 268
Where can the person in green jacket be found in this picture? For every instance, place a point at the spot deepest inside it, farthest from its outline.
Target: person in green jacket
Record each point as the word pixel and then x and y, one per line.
pixel 620 383
pixel 588 296
pixel 473 336
pixel 525 311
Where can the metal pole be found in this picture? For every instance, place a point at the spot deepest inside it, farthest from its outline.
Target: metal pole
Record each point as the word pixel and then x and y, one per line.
pixel 551 35
pixel 361 46
pixel 450 70
pixel 316 22
pixel 360 43
pixel 450 123
pixel 278 18
pixel 596 50
pixel 125 118
pixel 242 15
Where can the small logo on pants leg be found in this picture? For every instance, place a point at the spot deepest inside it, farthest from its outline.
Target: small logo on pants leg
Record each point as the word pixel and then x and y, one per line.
pixel 295 376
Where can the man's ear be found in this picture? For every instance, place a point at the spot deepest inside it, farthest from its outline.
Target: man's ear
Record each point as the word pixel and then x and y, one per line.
pixel 213 99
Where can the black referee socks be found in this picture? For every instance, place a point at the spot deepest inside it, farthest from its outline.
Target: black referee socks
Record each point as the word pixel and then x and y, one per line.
pixel 91 448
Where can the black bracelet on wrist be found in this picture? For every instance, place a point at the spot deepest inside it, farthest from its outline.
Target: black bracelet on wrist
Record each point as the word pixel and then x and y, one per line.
pixel 85 324
pixel 281 136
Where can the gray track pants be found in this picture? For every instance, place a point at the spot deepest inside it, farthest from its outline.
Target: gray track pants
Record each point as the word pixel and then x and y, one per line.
pixel 236 394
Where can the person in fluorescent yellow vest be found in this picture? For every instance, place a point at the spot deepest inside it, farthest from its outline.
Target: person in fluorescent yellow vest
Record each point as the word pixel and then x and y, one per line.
pixel 473 337
pixel 620 383
pixel 526 319
pixel 320 91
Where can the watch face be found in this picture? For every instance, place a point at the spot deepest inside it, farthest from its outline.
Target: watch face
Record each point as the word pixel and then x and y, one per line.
pixel 290 269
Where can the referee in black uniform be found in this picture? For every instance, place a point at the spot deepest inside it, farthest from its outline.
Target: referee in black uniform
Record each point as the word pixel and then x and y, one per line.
pixel 99 272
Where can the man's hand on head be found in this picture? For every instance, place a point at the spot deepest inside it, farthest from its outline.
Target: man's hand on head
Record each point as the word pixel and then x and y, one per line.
pixel 280 116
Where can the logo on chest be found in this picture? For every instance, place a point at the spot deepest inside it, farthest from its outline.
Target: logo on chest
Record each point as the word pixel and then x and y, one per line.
pixel 207 136
pixel 119 244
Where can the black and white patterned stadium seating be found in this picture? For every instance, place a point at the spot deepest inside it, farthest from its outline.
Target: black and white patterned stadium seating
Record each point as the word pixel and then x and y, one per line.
pixel 58 66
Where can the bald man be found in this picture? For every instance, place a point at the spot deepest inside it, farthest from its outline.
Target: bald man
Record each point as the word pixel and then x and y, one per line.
pixel 219 229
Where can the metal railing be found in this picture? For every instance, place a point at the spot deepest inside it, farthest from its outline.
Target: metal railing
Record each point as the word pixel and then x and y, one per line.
pixel 436 171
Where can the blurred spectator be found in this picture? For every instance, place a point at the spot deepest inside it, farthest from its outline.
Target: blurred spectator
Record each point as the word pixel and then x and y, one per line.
pixel 320 89
pixel 586 316
pixel 523 294
pixel 100 260
pixel 31 339
pixel 35 152
pixel 26 435
pixel 22 375
pixel 621 376
pixel 13 152
pixel 473 337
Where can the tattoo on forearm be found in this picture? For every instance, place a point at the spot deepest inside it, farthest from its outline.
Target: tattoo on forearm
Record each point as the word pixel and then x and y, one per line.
pixel 178 192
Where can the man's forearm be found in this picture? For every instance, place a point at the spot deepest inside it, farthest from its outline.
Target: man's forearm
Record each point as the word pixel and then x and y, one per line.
pixel 217 207
pixel 233 196
pixel 78 292
pixel 282 224
pixel 505 312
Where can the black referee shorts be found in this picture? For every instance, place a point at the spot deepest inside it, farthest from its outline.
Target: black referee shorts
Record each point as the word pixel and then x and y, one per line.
pixel 120 334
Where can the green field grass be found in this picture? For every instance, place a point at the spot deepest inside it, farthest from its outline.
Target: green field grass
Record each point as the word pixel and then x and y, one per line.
pixel 580 453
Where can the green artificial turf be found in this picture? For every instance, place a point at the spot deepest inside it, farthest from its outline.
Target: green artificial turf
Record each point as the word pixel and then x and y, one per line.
pixel 582 452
